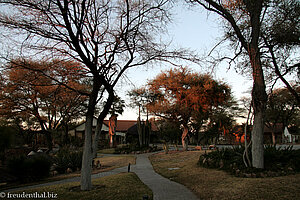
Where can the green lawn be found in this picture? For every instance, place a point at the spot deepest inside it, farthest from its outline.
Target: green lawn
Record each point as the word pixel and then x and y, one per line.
pixel 217 184
pixel 124 186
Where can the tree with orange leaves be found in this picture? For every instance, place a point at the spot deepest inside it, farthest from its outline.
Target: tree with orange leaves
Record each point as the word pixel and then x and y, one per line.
pixel 183 96
pixel 30 94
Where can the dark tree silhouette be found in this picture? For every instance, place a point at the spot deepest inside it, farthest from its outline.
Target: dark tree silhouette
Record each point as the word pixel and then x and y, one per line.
pixel 108 37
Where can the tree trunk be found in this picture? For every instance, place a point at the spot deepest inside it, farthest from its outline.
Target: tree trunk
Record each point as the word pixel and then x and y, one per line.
pixel 273 138
pixel 96 138
pixel 140 131
pixel 111 141
pixel 184 138
pixel 259 97
pixel 257 140
pixel 112 129
pixel 44 130
pixel 86 169
pixel 49 140
pixel 66 137
pixel 100 119
pixel 97 134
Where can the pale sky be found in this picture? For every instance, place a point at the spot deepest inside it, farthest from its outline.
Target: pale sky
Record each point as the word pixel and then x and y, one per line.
pixel 196 30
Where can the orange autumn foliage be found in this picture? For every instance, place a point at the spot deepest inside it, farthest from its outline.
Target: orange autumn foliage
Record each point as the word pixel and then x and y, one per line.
pixel 235 5
pixel 30 92
pixel 232 4
pixel 183 96
pixel 186 92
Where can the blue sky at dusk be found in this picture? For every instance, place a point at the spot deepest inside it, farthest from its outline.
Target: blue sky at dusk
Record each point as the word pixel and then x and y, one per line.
pixel 195 30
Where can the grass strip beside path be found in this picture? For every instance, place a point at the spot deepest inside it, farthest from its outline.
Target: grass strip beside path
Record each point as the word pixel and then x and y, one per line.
pixel 112 162
pixel 124 186
pixel 217 184
pixel 107 163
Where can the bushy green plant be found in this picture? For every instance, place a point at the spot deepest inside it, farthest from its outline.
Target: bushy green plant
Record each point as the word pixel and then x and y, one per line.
pixel 31 168
pixel 66 158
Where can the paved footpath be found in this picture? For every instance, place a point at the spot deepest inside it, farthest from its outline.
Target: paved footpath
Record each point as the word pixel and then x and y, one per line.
pixel 163 188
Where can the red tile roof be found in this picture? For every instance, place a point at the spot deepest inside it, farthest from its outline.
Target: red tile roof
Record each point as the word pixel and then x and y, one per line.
pixel 122 125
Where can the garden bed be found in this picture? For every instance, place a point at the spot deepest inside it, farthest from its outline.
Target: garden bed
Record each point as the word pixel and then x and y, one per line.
pixel 278 162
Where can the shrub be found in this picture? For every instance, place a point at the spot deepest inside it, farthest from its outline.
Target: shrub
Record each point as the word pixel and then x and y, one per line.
pixel 277 160
pixel 66 158
pixel 31 168
pixel 134 148
pixel 6 140
pixel 223 158
pixel 16 166
pixel 75 160
pixel 39 165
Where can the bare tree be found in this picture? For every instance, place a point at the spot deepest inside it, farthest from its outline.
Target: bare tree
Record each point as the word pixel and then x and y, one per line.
pixel 280 42
pixel 235 11
pixel 268 33
pixel 107 36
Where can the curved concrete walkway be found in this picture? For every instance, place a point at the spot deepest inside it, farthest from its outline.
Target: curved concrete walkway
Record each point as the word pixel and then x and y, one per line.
pixel 163 188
